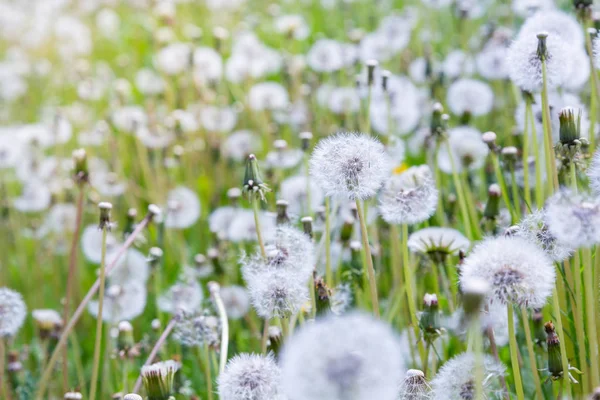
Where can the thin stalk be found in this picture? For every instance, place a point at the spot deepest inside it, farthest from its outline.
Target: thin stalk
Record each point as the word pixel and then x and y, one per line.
pixel 426 359
pixel 265 337
pixel 43 383
pixel 477 339
pixel 71 278
pixel 547 123
pixel 369 258
pixel 263 252
pixel 539 395
pixel 525 160
pixel 561 333
pixel 539 188
pixel 503 188
pixel 224 330
pixel 328 269
pixel 460 194
pixel 514 357
pixel 439 212
pixel 595 87
pixel 515 193
pixel 578 308
pixel 161 340
pixel 99 319
pixel 3 385
pixel 589 288
pixel 207 371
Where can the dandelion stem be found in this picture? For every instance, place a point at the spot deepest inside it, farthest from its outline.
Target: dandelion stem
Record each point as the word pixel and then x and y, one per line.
pixel 539 395
pixel 503 188
pixel 476 337
pixel 369 258
pixel 559 327
pixel 3 384
pixel 595 86
pixel 514 357
pixel 71 278
pixel 79 311
pixel 539 188
pixel 460 194
pixel 328 269
pixel 547 123
pixel 589 288
pixel 99 318
pixel 161 340
pixel 259 236
pixel 265 336
pixel 224 330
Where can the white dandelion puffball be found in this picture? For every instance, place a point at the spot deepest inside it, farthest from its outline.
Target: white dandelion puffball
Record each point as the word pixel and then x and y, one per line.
pixel 121 302
pixel 12 312
pixel 574 219
pixel 533 227
pixel 196 329
pixel 250 377
pixel 181 297
pixel 337 358
pixel 525 67
pixel 517 271
pixel 133 267
pixel 236 300
pixel 440 240
pixel 277 293
pixel 409 198
pixel 455 380
pixel 295 190
pixel 350 165
pixel 593 173
pixel 183 208
pixel 468 150
pixel 91 245
pixel 556 23
pixel 470 96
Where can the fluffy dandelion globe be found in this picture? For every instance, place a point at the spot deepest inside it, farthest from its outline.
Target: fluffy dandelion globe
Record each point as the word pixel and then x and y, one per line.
pixel 593 173
pixel 183 208
pixel 350 165
pixel 277 293
pixel 533 227
pixel 517 271
pixel 410 197
pixel 470 96
pixel 250 377
pixel 574 219
pixel 236 300
pixel 12 312
pixel 456 378
pixel 467 150
pixel 182 296
pixel 438 243
pixel 323 361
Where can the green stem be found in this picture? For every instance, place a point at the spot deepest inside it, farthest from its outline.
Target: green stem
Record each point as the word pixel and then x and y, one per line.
pixel 99 319
pixel 369 258
pixel 328 269
pixel 460 194
pixel 539 395
pixel 589 288
pixel 503 188
pixel 514 357
pixel 539 188
pixel 561 333
pixel 547 123
pixel 259 236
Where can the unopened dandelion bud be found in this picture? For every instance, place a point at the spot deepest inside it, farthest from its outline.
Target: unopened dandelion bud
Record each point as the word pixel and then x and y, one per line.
pixel 132 396
pixel 155 324
pixel 158 379
pixel 489 138
pixel 49 322
pixel 81 168
pixel 569 126
pixel 347 229
pixel 322 296
pixel 105 209
pixel 385 78
pixel 215 259
pixel 253 183
pixel 154 256
pixel 125 339
pixel 275 339
pixel 130 222
pixel 474 292
pixel 492 207
pixel 199 260
pixel 436 125
pixel 73 396
pixel 542 49
pixel 555 366
pixel 371 65
pixel 509 155
pixel 282 215
pixel 153 212
pixel 429 320
pixel 305 139
pixel 307 226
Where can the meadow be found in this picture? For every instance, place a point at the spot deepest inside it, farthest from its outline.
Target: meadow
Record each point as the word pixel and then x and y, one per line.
pixel 299 199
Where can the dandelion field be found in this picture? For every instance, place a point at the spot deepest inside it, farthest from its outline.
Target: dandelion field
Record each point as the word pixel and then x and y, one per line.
pixel 294 200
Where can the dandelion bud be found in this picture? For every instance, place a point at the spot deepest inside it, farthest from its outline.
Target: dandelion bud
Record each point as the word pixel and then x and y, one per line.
pixel 569 126
pixel 132 396
pixel 158 379
pixel 153 211
pixel 48 322
pixel 436 125
pixel 213 256
pixel 582 4
pixel 155 324
pixel 282 216
pixel 323 296
pixel 130 223
pixel 305 138
pixel 154 256
pixel 371 65
pixel 347 229
pixel 489 138
pixel 385 77
pixel 429 320
pixel 307 225
pixel 125 339
pixel 73 396
pixel 542 48
pixel 104 215
pixel 509 155
pixel 492 207
pixel 275 338
pixel 474 292
pixel 199 260
pixel 554 355
pixel 253 183
pixel 415 386
pixel 81 167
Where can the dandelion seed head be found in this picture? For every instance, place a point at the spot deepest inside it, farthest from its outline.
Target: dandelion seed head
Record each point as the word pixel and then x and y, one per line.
pixel 295 190
pixel 409 198
pixel 573 219
pixel 182 296
pixel 534 228
pixel 556 23
pixel 349 165
pixel 277 293
pixel 437 240
pixel 236 300
pixel 250 377
pixel 121 302
pixel 322 360
pixel 12 312
pixel 468 150
pixel 517 271
pixel 194 329
pixel 183 208
pixel 470 96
